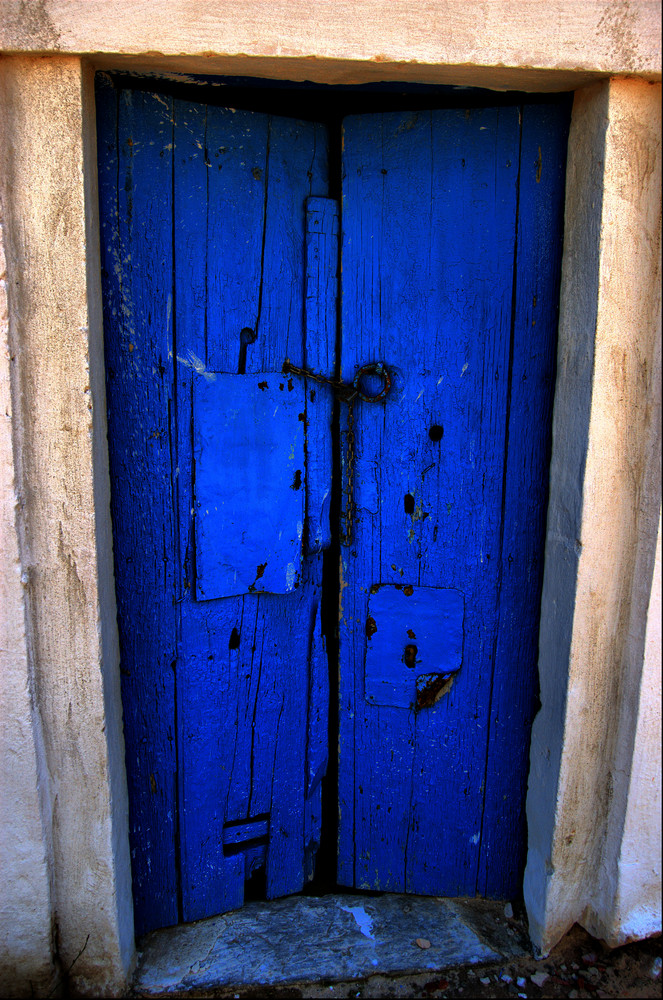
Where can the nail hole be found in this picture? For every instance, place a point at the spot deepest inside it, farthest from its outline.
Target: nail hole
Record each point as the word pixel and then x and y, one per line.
pixel 408 503
pixel 234 639
pixel 410 655
pixel 436 432
pixel 247 335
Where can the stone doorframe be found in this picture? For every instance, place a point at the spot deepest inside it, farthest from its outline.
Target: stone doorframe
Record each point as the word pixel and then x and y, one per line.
pixel 594 831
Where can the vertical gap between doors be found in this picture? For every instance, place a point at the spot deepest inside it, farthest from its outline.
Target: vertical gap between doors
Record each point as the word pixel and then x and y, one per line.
pixel 324 879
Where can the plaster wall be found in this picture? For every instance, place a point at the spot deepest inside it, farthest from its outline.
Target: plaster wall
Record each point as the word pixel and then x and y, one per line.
pixel 26 961
pixel 48 171
pixel 637 904
pixel 603 510
pixel 63 662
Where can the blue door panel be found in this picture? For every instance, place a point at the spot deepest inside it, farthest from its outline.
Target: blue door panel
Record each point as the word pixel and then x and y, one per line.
pixel 414 644
pixel 534 338
pixel 205 277
pixel 248 450
pixel 136 209
pixel 220 256
pixel 428 227
pixel 250 278
pixel 438 275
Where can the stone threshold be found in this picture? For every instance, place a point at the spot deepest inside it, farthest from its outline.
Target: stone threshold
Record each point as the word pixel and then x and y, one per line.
pixel 311 939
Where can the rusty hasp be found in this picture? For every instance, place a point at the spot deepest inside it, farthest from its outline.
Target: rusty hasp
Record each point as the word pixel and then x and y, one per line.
pixel 349 392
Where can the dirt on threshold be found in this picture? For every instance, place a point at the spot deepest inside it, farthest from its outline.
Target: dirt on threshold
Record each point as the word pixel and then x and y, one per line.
pixel 580 966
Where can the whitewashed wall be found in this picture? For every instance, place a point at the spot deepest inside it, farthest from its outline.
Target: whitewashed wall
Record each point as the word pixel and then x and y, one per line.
pixel 593 813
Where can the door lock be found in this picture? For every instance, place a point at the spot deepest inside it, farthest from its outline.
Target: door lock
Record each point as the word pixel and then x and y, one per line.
pixel 372 368
pixel 348 393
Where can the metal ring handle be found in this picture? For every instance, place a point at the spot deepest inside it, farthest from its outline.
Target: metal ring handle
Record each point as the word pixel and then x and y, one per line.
pixel 372 368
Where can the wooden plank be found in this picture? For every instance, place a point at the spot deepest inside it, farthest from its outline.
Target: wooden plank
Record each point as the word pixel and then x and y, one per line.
pixel 358 217
pixel 208 660
pixel 514 695
pixel 296 170
pixel 135 201
pixel 317 740
pixel 238 833
pixel 243 671
pixel 321 295
pixel 237 149
pixel 469 488
pixel 322 228
pixel 428 230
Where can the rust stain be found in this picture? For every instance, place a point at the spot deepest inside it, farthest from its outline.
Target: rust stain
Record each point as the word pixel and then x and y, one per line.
pixel 431 687
pixel 260 569
pixel 342 585
pixel 371 627
pixel 296 480
pixel 153 785
pixel 539 164
pixel 410 634
pixel 408 590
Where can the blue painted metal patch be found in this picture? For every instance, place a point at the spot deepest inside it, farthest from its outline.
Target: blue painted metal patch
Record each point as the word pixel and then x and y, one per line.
pixel 248 441
pixel 412 633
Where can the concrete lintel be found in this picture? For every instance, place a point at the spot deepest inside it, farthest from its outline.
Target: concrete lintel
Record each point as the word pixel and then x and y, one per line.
pixel 561 36
pixel 337 72
pixel 603 510
pixel 48 169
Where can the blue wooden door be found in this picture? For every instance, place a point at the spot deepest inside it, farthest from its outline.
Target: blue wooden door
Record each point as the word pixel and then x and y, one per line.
pixel 451 234
pixel 220 255
pixel 220 507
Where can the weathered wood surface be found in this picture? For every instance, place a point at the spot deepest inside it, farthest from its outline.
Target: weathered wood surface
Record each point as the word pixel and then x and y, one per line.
pixel 211 282
pixel 220 256
pixel 430 283
pixel 514 696
pixel 322 230
pixel 248 451
pixel 414 637
pixel 321 291
pixel 136 211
